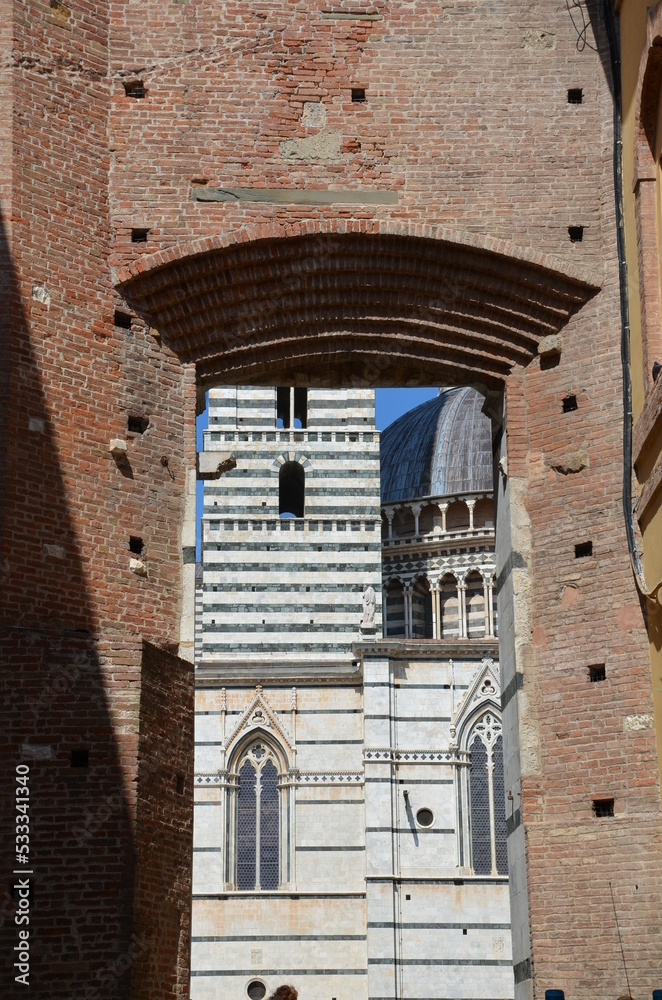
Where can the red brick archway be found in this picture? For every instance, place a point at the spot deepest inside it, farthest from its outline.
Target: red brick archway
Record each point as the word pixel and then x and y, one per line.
pixel 385 304
pixel 320 303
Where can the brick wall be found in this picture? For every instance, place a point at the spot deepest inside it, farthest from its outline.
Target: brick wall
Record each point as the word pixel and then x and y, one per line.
pixel 162 901
pixel 65 693
pixel 74 616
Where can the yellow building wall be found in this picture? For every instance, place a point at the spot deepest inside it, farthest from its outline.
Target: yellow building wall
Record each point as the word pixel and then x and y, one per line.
pixel 633 34
pixel 633 16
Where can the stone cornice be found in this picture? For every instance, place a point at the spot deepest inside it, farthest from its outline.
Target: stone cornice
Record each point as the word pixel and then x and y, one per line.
pixel 217 673
pixel 433 649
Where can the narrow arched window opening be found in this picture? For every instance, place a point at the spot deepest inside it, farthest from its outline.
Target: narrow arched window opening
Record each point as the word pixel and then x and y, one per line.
pixel 449 608
pixel 475 606
pixel 300 407
pixel 395 610
pixel 484 513
pixel 246 826
pixel 291 490
pixel 269 827
pixel 457 516
pixel 421 611
pixel 291 407
pixel 283 407
pixel 481 840
pixel 430 520
pixel 403 523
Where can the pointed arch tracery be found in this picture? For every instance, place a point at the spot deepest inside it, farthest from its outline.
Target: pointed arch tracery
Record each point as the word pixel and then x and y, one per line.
pixel 486 795
pixel 258 812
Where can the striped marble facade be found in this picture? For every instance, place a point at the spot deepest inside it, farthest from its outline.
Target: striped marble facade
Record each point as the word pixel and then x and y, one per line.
pixel 381 893
pixel 302 601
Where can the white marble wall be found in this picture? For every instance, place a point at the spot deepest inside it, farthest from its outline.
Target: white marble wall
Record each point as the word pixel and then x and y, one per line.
pixel 344 927
pixel 421 898
pixel 311 933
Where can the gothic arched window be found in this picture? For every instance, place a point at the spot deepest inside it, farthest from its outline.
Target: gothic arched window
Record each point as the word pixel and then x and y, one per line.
pixel 257 849
pixel 486 798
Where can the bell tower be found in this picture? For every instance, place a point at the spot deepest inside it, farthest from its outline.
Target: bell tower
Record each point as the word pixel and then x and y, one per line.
pixel 291 535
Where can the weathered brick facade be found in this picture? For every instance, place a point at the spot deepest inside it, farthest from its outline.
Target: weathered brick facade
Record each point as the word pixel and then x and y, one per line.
pixel 448 258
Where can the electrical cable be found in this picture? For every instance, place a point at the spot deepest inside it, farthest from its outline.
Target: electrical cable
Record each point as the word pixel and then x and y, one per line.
pixel 620 940
pixel 582 33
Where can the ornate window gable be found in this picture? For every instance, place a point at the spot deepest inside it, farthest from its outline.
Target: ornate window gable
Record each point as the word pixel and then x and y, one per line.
pixel 259 803
pixel 481 792
pixel 259 715
pixel 484 691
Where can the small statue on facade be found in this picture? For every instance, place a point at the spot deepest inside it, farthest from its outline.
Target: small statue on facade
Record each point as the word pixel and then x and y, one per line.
pixel 369 599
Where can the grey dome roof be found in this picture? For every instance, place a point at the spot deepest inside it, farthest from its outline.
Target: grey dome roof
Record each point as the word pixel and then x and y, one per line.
pixel 440 447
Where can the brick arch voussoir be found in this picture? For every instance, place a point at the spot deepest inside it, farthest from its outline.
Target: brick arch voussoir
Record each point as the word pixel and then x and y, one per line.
pixel 323 302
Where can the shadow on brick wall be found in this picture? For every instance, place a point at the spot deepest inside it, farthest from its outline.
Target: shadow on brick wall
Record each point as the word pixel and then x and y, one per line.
pixel 57 718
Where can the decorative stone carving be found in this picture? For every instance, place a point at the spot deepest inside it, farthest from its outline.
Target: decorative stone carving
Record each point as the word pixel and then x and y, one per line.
pixel 212 464
pixel 259 715
pixel 489 728
pixel 382 754
pixel 329 777
pixel 369 601
pixel 211 779
pixel 484 688
pixel 487 689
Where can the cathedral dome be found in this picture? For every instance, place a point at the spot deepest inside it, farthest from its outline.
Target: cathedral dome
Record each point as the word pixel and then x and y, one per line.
pixel 441 447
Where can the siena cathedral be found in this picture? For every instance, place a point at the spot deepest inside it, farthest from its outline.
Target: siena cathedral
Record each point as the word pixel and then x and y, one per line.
pixel 350 816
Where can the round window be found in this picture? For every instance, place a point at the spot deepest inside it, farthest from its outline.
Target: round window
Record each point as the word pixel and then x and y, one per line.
pixel 256 990
pixel 424 817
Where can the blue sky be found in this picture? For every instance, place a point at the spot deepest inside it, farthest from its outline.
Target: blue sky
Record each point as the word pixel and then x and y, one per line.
pixel 392 403
pixel 389 405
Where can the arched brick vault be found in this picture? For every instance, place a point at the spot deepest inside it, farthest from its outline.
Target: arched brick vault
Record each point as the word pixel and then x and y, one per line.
pixel 434 306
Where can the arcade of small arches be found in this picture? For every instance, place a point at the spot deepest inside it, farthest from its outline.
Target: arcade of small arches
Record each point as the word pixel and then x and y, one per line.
pixel 461 606
pixel 435 590
pixel 437 516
